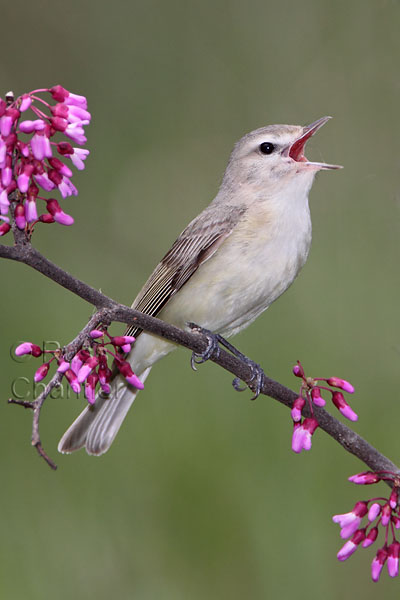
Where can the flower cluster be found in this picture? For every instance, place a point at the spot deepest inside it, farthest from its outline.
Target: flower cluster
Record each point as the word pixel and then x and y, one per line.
pixel 310 391
pixel 27 155
pixel 379 512
pixel 89 366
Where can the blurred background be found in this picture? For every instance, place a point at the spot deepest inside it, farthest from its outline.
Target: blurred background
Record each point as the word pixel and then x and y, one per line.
pixel 201 496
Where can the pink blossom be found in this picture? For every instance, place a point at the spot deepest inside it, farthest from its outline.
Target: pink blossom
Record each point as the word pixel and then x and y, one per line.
pixel 377 563
pixel 341 383
pixel 351 546
pixel 386 514
pixel 28 348
pixel 302 434
pixel 78 156
pixel 61 168
pixel 349 522
pixel 298 406
pixel 20 216
pixel 370 538
pixel 78 360
pixel 30 210
pixel 374 511
pixel 365 478
pixel 341 404
pixel 96 333
pixel 3 151
pixel 90 387
pixel 59 215
pixel 6 172
pixel 73 381
pixel 76 132
pixel 24 178
pixel 316 397
pixel 297 371
pixel 393 498
pixel 41 372
pixel 31 126
pixel 120 340
pixel 67 188
pixel 41 147
pixel 125 369
pixel 4 202
pixel 87 367
pixel 63 366
pixel 25 103
pixel 393 559
pixel 43 180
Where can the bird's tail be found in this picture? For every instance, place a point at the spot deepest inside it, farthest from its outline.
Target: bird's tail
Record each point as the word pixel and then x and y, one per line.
pixel 97 425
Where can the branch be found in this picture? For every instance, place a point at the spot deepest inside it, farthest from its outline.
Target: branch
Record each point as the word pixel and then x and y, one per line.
pixel 194 341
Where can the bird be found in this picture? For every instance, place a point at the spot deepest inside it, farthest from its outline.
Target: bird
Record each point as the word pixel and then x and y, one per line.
pixel 227 266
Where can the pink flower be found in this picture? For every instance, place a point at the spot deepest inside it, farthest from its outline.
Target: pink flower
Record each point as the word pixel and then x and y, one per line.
pixel 87 367
pixel 301 439
pixel 30 210
pixel 341 383
pixel 76 132
pixel 374 511
pixel 25 102
pixel 28 348
pixel 125 369
pixel 370 538
pixel 24 177
pixel 60 167
pixel 386 514
pixel 60 216
pixel 365 478
pixel 20 216
pixel 90 387
pixel 63 366
pixel 4 202
pixel 120 340
pixel 316 397
pixel 297 371
pixel 60 94
pixel 67 188
pixel 43 180
pixel 78 360
pixel 393 498
pixel 341 404
pixel 96 333
pixel 393 559
pixel 351 546
pixel 378 562
pixel 350 522
pixel 41 372
pixel 73 381
pixel 41 147
pixel 78 156
pixel 31 126
pixel 298 406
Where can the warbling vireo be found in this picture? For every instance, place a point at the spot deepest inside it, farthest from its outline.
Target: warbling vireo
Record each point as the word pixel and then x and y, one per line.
pixel 229 264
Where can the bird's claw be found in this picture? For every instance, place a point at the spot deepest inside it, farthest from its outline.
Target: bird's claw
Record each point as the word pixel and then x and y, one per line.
pixel 213 339
pixel 212 345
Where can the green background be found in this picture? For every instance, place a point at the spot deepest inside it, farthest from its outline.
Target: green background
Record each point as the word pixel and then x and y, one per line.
pixel 201 496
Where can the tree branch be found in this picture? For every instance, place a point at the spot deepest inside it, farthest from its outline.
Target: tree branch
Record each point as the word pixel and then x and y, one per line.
pixel 194 341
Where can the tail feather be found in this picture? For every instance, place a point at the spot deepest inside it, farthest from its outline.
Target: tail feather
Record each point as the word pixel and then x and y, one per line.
pixel 97 425
pixel 102 431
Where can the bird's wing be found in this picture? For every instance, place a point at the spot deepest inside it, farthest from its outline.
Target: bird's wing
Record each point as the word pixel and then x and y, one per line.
pixel 196 244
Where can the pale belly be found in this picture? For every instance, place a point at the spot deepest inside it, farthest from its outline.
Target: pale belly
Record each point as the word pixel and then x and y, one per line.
pixel 237 284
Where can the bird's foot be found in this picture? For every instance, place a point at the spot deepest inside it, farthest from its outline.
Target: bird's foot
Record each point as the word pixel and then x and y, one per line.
pixel 214 339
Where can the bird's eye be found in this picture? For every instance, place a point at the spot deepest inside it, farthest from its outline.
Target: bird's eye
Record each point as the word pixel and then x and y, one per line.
pixel 266 148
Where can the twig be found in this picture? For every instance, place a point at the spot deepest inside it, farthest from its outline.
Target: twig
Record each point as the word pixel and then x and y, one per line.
pixel 196 342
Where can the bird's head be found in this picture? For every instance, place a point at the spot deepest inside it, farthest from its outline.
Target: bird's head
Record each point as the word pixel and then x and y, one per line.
pixel 273 156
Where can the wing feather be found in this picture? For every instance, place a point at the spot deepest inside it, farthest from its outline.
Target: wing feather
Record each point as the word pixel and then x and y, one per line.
pixel 196 244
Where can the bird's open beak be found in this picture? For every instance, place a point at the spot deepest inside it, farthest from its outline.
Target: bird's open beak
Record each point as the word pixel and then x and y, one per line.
pixel 296 150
